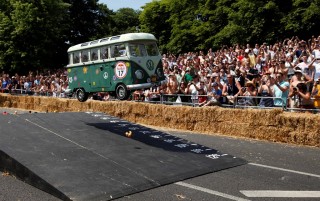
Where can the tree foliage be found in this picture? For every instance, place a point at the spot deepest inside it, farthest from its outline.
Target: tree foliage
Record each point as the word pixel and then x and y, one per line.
pixel 36 34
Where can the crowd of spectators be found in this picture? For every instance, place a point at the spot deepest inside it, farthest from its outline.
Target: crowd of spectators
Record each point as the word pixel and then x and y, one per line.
pixel 283 74
pixel 41 84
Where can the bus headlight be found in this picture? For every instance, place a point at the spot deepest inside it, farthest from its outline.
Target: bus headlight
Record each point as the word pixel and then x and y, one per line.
pixel 148 80
pixel 139 74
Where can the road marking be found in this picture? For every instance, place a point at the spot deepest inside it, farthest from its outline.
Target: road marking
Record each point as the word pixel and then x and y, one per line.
pixel 286 170
pixel 231 197
pixel 282 194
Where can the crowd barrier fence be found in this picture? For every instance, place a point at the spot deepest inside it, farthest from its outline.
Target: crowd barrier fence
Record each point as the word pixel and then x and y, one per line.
pixel 171 99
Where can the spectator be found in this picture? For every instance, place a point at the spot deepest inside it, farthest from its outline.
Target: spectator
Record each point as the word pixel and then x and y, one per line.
pixel 266 91
pixel 302 97
pixel 138 95
pixel 27 86
pixel 192 89
pixel 230 90
pixel 5 84
pixel 281 91
pixel 249 91
pixel 154 93
pixel 43 88
pixel 172 87
pixel 202 96
pixel 316 93
pixel 289 64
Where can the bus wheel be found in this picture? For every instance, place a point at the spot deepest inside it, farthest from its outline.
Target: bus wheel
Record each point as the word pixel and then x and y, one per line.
pixel 121 92
pixel 82 96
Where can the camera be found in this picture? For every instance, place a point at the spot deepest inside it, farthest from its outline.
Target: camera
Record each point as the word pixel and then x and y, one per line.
pixel 295 88
pixel 243 89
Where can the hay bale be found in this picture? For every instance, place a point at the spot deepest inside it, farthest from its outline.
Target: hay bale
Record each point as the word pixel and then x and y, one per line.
pixel 272 125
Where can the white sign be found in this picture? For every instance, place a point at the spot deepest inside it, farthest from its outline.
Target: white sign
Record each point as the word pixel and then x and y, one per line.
pixel 120 70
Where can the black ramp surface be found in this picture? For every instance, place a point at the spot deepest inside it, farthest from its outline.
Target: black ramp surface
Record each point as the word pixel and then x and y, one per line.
pixel 87 156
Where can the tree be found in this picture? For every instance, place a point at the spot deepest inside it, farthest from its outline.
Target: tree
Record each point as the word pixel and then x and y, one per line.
pixel 126 20
pixel 29 34
pixel 153 19
pixel 303 19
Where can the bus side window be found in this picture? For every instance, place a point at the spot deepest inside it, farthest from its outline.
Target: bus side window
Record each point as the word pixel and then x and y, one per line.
pixel 115 51
pixel 76 58
pixel 84 56
pixel 104 53
pixel 94 54
pixel 70 58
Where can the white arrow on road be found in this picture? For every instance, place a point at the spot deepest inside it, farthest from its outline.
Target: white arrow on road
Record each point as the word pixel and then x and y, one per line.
pixel 281 194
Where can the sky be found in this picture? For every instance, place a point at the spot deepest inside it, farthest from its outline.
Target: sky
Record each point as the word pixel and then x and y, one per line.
pixel 116 4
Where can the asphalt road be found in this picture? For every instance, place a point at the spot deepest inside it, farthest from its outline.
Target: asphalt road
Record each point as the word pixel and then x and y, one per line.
pixel 274 172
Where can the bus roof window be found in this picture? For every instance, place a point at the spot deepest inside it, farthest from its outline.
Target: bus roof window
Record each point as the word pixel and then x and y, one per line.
pixel 115 37
pixel 94 42
pixel 104 39
pixel 84 44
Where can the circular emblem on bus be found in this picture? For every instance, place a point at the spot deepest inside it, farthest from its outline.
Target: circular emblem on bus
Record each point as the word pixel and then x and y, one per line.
pixel 150 65
pixel 120 70
pixel 105 75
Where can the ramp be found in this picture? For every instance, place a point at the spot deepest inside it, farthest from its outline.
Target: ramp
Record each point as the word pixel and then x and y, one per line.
pixel 94 156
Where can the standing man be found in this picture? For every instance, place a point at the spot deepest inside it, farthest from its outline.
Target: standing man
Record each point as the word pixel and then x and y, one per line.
pixel 281 91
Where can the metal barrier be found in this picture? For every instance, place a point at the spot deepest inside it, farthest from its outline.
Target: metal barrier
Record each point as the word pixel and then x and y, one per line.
pixel 237 103
pixel 171 99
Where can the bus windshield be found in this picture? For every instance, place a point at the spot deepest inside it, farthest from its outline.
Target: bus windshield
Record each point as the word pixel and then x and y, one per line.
pixel 141 50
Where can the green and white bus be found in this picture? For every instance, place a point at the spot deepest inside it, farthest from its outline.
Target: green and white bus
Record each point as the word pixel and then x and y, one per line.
pixel 117 64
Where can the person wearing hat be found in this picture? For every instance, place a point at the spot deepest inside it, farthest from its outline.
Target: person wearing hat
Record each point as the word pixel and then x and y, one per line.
pixel 214 96
pixel 249 91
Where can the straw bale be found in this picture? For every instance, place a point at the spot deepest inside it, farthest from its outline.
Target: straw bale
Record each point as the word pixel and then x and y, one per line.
pixel 273 125
pixel 305 138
